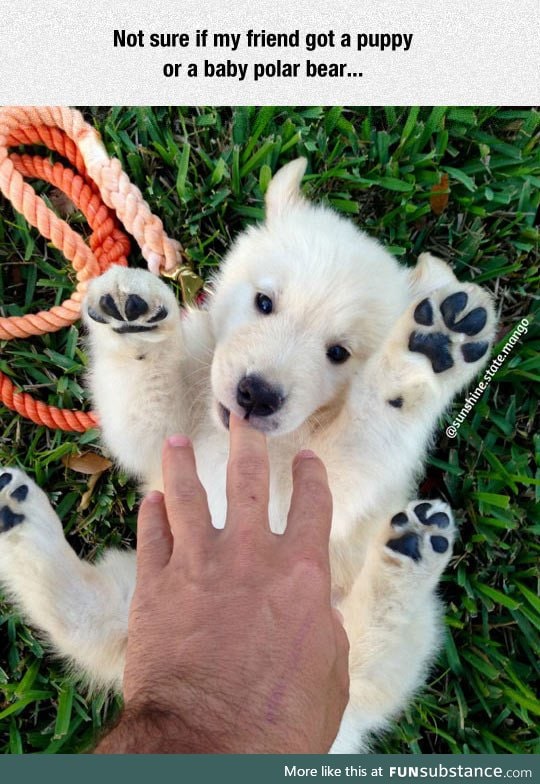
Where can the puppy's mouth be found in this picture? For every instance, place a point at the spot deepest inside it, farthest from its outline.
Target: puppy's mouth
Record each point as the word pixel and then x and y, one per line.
pixel 263 424
pixel 224 415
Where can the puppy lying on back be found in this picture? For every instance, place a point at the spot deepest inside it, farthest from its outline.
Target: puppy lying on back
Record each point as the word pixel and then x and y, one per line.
pixel 323 341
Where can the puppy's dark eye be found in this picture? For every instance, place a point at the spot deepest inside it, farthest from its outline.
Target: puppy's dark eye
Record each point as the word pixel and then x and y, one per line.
pixel 263 303
pixel 337 354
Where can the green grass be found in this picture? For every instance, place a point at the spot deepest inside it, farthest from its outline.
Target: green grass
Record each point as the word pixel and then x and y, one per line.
pixel 204 172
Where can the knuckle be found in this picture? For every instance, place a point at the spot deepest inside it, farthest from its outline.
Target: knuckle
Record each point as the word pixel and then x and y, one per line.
pixel 248 468
pixel 188 493
pixel 313 499
pixel 318 492
pixel 248 540
pixel 311 565
pixel 250 506
pixel 247 559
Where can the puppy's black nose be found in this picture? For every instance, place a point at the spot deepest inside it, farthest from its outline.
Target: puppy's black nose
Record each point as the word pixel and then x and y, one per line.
pixel 257 397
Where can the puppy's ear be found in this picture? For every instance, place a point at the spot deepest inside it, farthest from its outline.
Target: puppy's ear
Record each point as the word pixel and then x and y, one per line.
pixel 284 188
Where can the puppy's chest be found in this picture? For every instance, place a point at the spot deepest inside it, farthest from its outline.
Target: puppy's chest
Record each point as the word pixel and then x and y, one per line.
pixel 212 456
pixel 212 471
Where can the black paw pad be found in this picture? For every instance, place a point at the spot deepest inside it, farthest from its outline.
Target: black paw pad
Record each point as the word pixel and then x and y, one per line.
pixel 421 511
pixel 108 306
pixel 439 543
pixel 471 324
pixel 9 519
pixel 423 313
pixel 474 351
pixel 452 306
pixel 95 316
pixel 399 519
pixel 124 329
pixel 135 306
pixel 408 544
pixel 5 479
pixel 440 519
pixel 20 493
pixel 435 346
pixel 159 315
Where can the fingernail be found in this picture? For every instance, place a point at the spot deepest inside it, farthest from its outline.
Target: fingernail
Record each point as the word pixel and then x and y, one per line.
pixel 305 454
pixel 338 615
pixel 154 497
pixel 178 440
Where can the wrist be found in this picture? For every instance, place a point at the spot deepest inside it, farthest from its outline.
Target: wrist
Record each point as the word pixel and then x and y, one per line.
pixel 151 729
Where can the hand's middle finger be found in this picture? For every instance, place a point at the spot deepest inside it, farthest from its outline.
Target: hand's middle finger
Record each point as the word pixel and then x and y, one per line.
pixel 247 476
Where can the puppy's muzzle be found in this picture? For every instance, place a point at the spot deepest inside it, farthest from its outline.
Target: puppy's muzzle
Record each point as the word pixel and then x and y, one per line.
pixel 257 397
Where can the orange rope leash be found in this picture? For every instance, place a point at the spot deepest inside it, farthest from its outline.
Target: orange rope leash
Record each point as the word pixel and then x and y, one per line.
pixel 97 179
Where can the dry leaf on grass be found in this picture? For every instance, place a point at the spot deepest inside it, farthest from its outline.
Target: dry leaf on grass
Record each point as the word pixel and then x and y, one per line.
pixel 439 196
pixel 87 463
pixel 61 203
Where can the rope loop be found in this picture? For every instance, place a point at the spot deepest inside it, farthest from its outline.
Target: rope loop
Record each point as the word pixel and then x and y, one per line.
pixel 102 191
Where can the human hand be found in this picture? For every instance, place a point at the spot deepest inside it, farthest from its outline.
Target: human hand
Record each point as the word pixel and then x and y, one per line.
pixel 233 645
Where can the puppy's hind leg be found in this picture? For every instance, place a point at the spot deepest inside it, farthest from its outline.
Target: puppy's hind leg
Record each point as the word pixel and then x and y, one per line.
pixel 81 608
pixel 392 618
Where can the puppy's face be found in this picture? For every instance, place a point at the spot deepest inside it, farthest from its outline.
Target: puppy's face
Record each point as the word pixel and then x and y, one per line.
pixel 280 356
pixel 294 312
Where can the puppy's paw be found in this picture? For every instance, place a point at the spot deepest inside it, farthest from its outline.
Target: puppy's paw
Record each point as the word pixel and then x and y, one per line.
pixel 454 329
pixel 24 507
pixel 422 536
pixel 13 494
pixel 130 302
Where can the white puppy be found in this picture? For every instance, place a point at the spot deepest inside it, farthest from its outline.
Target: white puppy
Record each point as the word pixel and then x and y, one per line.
pixel 317 335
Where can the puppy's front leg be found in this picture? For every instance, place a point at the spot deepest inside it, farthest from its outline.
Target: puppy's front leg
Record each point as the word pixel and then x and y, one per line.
pixel 438 345
pixel 136 366
pixel 435 348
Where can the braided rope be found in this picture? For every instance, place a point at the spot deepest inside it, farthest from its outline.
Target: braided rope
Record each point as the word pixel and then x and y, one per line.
pixel 108 245
pixel 117 191
pixel 42 414
pixel 99 188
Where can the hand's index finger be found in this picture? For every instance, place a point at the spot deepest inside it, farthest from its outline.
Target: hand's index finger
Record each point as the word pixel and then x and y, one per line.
pixel 185 497
pixel 154 539
pixel 247 475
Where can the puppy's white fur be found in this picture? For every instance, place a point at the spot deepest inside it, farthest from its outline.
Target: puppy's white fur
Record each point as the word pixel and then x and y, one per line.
pixel 330 285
